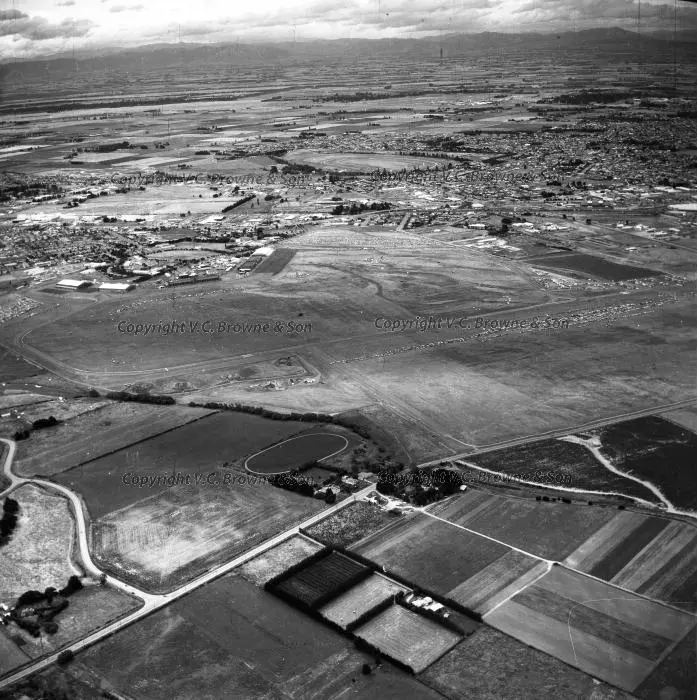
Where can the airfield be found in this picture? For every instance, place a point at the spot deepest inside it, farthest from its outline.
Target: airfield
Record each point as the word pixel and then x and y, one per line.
pixel 428 299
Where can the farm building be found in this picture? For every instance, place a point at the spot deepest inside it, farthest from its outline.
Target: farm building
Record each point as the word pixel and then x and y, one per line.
pixel 73 284
pixel 116 287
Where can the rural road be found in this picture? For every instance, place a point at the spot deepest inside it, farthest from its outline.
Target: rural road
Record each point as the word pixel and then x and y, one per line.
pixel 151 601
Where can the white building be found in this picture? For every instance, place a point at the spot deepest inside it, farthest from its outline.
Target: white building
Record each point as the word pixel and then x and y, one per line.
pixel 266 250
pixel 73 284
pixel 116 287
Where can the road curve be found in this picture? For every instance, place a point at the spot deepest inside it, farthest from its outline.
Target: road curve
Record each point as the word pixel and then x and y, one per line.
pixel 151 601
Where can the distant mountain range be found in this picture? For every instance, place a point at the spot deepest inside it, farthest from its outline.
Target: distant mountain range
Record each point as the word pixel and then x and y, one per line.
pixel 161 56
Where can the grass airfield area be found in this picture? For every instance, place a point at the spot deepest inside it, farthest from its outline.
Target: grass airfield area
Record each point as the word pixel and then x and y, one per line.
pixel 340 294
pixel 618 359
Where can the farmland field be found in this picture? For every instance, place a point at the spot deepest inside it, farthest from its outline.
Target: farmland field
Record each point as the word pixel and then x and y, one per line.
pixel 585 623
pixel 562 459
pixel 655 450
pixel 407 637
pixel 276 560
pixel 231 639
pixel 359 599
pixel 321 578
pixel 11 655
pixel 496 582
pixel 350 524
pixel 549 530
pixel 294 452
pixel 171 537
pixel 108 483
pixel 38 553
pixel 490 665
pixel 429 552
pixel 676 675
pixel 100 432
pixel 653 556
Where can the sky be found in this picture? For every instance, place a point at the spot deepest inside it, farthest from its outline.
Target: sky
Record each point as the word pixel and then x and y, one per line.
pixel 43 27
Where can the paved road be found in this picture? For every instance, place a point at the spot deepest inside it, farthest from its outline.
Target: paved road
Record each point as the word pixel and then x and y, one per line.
pixel 151 601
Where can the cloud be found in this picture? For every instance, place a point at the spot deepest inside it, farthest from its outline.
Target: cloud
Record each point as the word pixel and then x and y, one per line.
pixel 40 29
pixel 109 23
pixel 6 15
pixel 125 8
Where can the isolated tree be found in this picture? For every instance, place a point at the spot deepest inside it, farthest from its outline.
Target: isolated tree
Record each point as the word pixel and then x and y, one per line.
pixel 65 657
pixel 330 497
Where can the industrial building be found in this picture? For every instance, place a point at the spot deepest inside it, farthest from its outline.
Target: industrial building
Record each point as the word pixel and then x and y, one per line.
pixel 73 284
pixel 116 287
pixel 192 279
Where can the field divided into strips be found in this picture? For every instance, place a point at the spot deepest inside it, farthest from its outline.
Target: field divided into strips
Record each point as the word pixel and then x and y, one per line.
pixel 98 433
pixel 321 579
pixel 498 581
pixel 449 561
pixel 278 559
pixel 231 640
pixel 408 637
pixel 111 482
pixel 360 599
pixel 653 556
pixel 612 635
pixel 549 530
